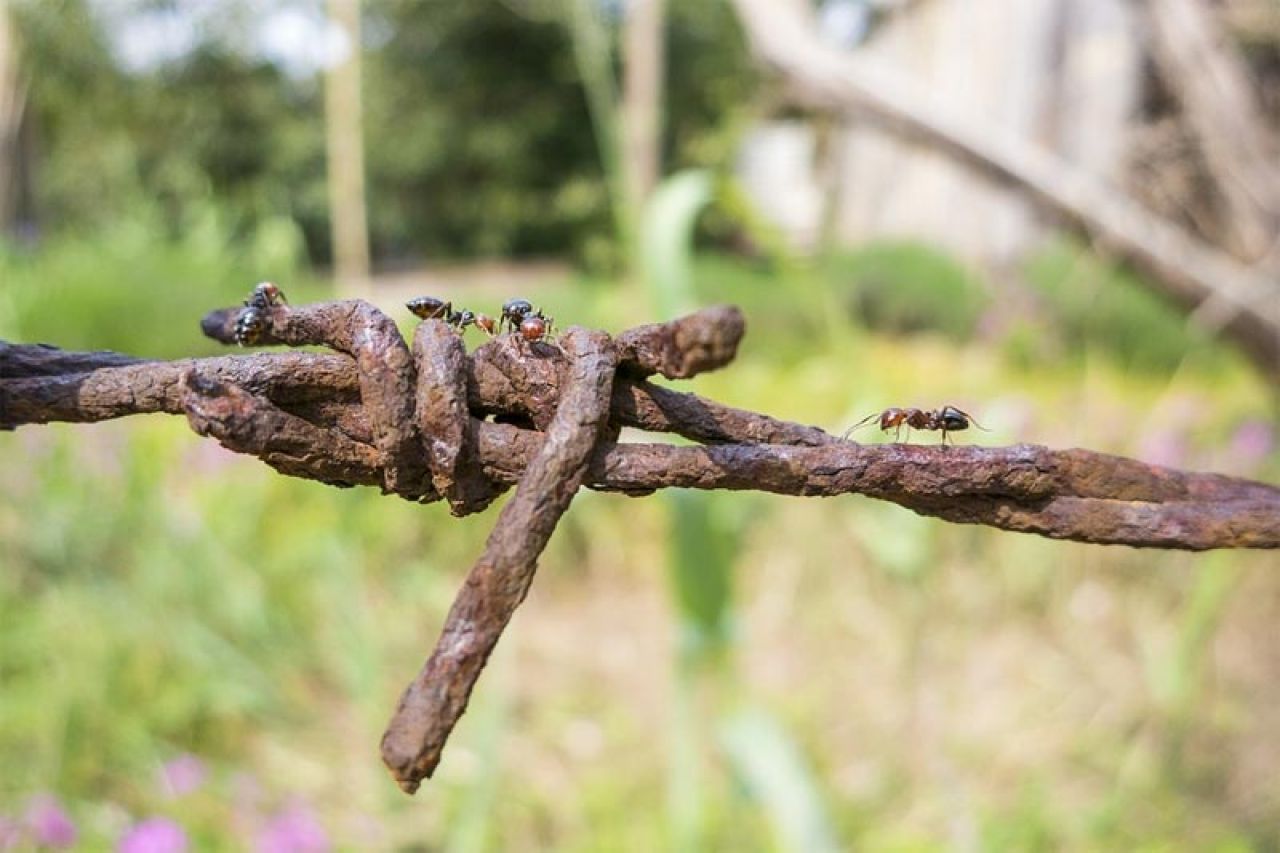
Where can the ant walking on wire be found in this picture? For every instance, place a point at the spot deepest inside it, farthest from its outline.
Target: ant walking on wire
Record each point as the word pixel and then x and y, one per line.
pixel 948 419
pixel 430 308
pixel 520 316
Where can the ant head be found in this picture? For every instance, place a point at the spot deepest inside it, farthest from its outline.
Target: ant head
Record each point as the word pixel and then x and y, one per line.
pixel 516 307
pixel 268 291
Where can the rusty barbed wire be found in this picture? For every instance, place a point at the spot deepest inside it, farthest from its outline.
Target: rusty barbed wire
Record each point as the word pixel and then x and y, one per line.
pixel 433 422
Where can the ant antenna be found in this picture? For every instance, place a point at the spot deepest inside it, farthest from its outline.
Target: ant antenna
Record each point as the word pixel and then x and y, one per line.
pixel 972 419
pixel 868 419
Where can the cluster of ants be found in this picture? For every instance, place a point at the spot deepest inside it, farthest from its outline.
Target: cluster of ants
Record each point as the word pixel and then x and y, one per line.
pixel 518 316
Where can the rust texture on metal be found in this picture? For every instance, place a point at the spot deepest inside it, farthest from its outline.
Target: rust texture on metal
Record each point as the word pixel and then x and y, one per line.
pixel 443 419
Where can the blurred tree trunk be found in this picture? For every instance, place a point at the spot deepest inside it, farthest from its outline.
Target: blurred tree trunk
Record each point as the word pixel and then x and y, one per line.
pixel 644 60
pixel 12 102
pixel 345 146
pixel 1213 85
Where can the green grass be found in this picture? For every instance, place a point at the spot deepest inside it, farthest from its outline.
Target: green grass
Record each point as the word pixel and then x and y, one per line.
pixel 946 685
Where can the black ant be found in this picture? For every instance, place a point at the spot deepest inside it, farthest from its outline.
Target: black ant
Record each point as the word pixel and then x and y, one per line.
pixel 947 419
pixel 252 321
pixel 513 313
pixel 519 315
pixel 430 308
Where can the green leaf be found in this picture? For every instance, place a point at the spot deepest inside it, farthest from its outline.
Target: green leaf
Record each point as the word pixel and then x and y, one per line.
pixel 667 246
pixel 770 765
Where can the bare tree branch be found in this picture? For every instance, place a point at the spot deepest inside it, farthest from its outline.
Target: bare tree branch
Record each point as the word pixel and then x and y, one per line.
pixel 1212 83
pixel 1243 302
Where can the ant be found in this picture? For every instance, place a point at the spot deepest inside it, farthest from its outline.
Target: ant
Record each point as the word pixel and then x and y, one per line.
pixel 947 419
pixel 266 295
pixel 519 315
pixel 534 328
pixel 429 308
pixel 513 313
pixel 252 321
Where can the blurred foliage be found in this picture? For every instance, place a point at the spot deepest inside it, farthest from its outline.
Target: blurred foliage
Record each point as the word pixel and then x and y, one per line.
pixel 130 288
pixel 475 124
pixel 905 288
pixel 706 537
pixel 215 125
pixel 1099 306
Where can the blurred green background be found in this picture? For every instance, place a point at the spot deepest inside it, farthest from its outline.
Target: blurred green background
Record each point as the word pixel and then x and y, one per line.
pixel 186 636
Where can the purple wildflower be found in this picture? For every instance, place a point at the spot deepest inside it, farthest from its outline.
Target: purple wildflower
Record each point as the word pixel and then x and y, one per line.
pixel 157 835
pixel 293 830
pixel 183 775
pixel 1253 441
pixel 49 824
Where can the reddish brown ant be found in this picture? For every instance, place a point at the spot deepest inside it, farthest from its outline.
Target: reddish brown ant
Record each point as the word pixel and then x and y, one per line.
pixel 534 328
pixel 947 419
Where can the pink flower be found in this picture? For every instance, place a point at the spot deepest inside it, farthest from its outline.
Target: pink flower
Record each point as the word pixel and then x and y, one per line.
pixel 157 835
pixel 1253 441
pixel 293 830
pixel 182 775
pixel 49 824
pixel 1163 447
